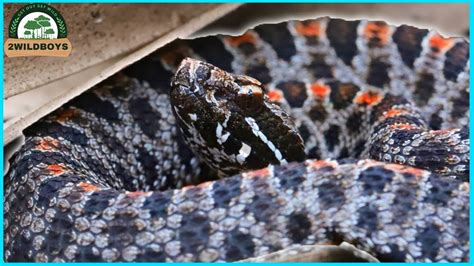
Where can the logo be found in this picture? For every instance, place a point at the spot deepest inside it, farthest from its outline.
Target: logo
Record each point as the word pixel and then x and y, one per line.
pixel 37 30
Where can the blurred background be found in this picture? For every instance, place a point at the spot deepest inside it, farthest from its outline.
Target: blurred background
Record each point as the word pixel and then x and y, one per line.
pixel 448 19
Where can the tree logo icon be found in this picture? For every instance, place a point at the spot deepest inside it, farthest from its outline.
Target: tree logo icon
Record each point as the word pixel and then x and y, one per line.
pixel 37 30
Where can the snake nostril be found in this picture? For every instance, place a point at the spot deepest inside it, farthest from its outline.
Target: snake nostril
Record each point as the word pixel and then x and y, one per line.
pixel 220 94
pixel 192 72
pixel 180 79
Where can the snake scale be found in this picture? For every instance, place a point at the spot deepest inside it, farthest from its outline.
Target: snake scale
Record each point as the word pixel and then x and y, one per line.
pixel 330 131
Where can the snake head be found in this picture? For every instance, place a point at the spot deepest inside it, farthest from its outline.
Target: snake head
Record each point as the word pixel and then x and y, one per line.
pixel 228 120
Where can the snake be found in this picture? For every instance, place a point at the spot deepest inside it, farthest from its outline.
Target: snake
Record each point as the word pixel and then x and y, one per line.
pixel 224 148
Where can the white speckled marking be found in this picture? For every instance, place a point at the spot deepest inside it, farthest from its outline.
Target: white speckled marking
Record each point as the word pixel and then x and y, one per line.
pixel 256 131
pixel 244 152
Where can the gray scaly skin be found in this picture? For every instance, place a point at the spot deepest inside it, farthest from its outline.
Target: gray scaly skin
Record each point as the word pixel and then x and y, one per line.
pixel 101 178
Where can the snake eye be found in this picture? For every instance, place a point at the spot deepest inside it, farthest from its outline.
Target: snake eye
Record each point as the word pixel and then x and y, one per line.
pixel 250 90
pixel 249 82
pixel 250 98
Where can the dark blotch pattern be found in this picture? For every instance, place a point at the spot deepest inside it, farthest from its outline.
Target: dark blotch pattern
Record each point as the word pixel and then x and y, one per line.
pixel 429 240
pixel 294 92
pixel 247 48
pixel 332 136
pixel 456 59
pixel 330 195
pixel 151 70
pixel 342 94
pixel 318 113
pixel 304 132
pixel 224 193
pixel 375 178
pixel 299 227
pixel 314 153
pixel 146 117
pixel 342 35
pixel 56 130
pixel 424 88
pixel 148 162
pixel 280 38
pixel 368 218
pixel 98 202
pixel 60 231
pixel 319 68
pixel 157 204
pixel 262 202
pixel 354 123
pixel 217 56
pixel 91 103
pixel 408 40
pixel 462 105
pixel 292 176
pixel 194 232
pixel 259 72
pixel 435 121
pixel 440 195
pixel 405 200
pixel 359 147
pixel 239 246
pixel 378 73
pixel 48 189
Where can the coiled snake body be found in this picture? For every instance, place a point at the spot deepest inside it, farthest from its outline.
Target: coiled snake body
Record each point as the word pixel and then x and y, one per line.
pixel 108 176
